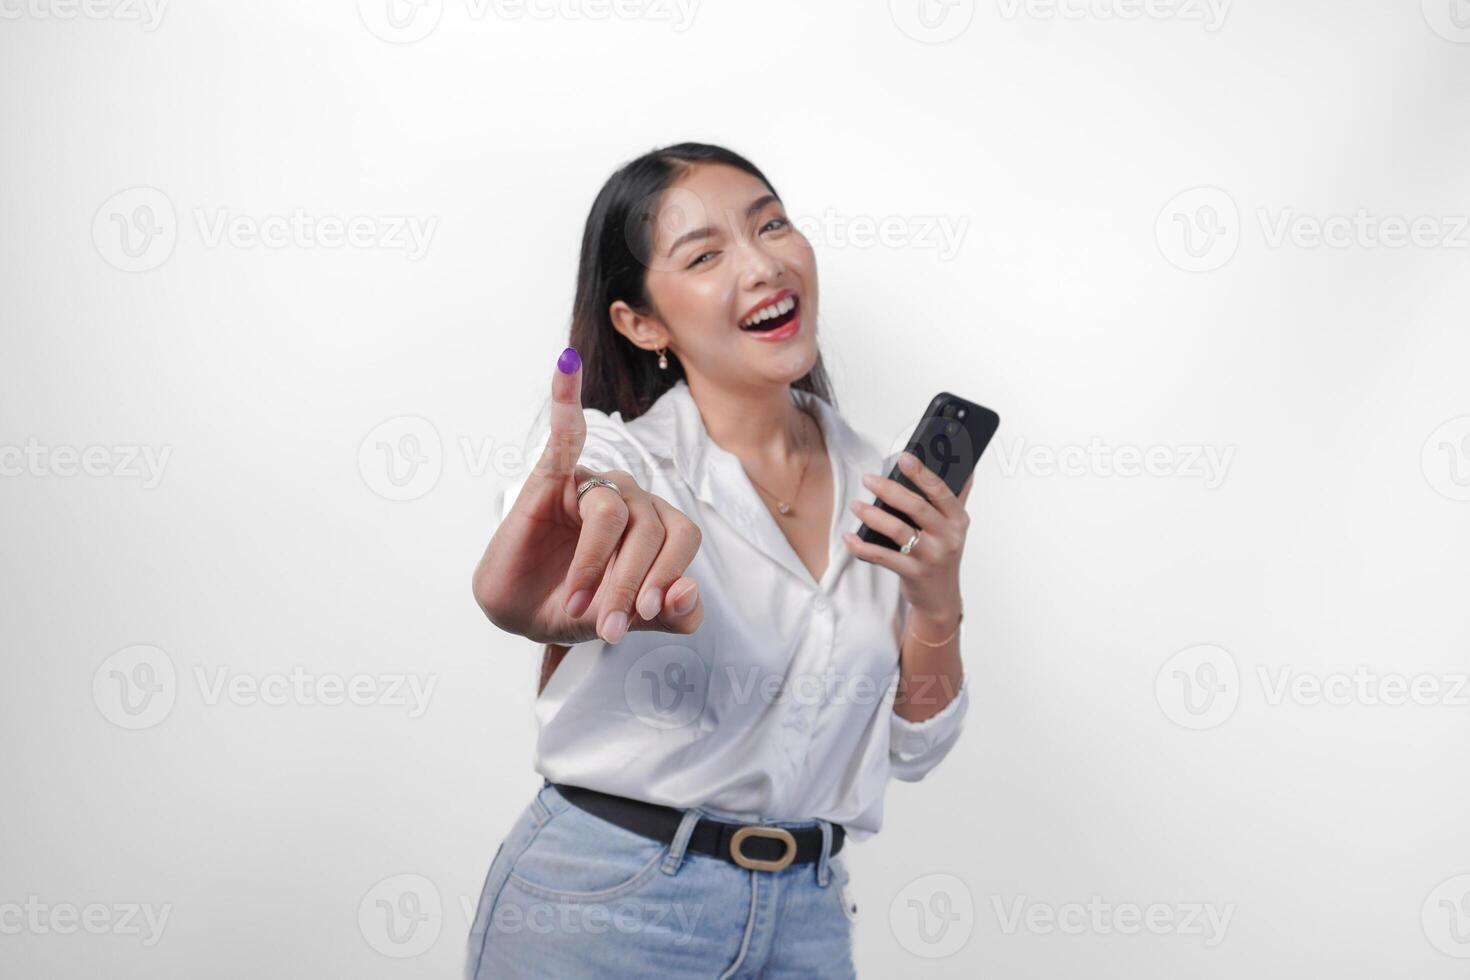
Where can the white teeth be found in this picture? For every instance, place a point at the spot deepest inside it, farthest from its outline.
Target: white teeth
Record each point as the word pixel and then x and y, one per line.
pixel 775 309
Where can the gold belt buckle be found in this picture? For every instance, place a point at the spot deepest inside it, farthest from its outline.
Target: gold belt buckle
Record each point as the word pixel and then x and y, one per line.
pixel 756 864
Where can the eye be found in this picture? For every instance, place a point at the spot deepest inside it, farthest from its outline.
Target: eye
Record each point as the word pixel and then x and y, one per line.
pixel 700 259
pixel 780 223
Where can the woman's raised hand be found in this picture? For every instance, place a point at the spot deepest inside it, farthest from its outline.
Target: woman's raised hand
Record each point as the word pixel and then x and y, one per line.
pixel 564 571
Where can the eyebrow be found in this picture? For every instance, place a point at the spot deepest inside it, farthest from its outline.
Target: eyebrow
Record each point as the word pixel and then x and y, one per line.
pixel 751 210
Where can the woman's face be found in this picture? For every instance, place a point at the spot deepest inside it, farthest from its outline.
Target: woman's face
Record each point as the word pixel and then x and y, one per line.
pixel 723 248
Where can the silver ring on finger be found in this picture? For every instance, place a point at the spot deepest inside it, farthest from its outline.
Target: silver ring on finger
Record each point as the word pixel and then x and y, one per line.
pixel 909 544
pixel 596 481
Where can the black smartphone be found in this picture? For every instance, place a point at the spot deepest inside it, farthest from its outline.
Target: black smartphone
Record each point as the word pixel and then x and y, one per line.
pixel 949 440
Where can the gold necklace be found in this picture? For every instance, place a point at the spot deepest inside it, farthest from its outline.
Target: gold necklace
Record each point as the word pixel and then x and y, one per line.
pixel 784 507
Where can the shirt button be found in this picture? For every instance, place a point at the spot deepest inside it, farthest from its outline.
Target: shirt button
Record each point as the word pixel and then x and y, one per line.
pixel 821 603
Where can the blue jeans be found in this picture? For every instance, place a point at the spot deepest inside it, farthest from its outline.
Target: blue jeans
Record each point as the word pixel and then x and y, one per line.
pixel 570 895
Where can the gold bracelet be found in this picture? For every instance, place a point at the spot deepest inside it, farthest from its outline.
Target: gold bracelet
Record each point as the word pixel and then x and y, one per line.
pixel 941 642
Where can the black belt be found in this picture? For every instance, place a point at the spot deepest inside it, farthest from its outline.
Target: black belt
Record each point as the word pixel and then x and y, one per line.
pixel 757 846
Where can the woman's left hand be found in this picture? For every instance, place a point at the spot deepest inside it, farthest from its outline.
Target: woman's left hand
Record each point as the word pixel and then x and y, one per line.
pixel 930 573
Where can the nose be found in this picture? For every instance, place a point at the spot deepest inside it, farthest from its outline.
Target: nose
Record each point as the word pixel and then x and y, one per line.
pixel 760 267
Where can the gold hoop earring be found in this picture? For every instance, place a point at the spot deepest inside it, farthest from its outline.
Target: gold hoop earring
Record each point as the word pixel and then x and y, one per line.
pixel 663 360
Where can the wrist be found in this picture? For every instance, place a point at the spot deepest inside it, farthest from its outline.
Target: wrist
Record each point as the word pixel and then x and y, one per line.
pixel 934 625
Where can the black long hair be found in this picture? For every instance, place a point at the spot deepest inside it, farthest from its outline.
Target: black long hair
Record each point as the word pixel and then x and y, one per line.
pixel 617 242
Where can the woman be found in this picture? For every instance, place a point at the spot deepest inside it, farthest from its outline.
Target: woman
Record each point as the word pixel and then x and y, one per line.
pixel 725 690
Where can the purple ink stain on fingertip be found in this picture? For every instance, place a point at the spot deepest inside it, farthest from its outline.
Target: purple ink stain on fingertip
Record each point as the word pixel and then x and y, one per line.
pixel 569 361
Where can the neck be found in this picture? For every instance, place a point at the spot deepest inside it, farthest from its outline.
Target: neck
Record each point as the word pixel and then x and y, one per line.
pixel 753 423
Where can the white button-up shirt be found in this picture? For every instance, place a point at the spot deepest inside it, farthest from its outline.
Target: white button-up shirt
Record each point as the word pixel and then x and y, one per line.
pixel 781 704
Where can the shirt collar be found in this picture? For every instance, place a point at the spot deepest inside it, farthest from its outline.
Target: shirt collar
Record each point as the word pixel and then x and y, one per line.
pixel 673 430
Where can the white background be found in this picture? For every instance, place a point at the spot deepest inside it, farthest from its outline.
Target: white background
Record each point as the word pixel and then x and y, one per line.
pixel 1059 140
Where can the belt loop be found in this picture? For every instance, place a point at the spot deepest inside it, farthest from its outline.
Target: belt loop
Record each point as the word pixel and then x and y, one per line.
pixel 675 857
pixel 540 811
pixel 822 871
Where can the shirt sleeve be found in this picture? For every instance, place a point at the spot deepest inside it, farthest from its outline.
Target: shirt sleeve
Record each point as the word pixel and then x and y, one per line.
pixel 915 747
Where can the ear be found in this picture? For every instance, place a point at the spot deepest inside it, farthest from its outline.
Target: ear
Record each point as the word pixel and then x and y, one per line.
pixel 642 331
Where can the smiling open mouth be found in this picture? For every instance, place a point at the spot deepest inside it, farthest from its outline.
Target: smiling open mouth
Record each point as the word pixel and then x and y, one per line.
pixel 772 317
